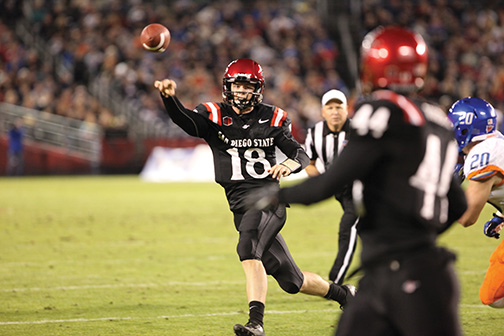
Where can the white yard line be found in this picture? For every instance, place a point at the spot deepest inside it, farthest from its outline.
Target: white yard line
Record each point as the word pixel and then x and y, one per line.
pixel 140 285
pixel 161 317
pixel 183 316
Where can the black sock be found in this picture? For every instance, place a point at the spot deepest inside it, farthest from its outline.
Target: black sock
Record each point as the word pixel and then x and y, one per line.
pixel 256 312
pixel 336 293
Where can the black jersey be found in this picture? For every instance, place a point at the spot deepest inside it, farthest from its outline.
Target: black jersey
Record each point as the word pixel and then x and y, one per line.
pixel 243 146
pixel 402 154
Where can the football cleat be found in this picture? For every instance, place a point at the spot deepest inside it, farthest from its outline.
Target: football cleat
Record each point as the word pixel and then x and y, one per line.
pixel 351 290
pixel 249 329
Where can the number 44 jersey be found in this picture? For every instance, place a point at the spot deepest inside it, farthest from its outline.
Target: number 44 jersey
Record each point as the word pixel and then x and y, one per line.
pixel 487 159
pixel 400 155
pixel 409 195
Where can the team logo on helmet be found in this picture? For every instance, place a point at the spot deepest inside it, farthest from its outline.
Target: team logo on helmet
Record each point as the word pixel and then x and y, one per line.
pixel 490 126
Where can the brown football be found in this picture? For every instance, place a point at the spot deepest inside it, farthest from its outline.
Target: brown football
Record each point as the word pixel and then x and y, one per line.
pixel 155 37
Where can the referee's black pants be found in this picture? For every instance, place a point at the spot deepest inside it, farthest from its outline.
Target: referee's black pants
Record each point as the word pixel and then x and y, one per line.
pixel 347 239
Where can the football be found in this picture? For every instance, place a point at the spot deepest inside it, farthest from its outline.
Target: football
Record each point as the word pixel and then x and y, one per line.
pixel 155 37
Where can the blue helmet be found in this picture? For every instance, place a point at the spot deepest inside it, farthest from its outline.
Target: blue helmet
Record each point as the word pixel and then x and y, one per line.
pixel 473 120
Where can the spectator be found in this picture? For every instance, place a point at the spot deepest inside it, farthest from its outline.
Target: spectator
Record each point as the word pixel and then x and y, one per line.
pixel 15 159
pixel 89 40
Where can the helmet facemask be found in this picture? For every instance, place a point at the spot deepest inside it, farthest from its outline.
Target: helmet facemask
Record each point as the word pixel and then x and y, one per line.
pixel 242 102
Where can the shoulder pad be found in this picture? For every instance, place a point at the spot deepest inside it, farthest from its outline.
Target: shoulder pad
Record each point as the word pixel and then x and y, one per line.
pixel 485 160
pixel 278 118
pixel 412 113
pixel 214 112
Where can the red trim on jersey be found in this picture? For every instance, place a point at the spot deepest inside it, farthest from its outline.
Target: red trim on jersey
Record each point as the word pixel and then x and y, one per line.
pixel 412 113
pixel 279 116
pixel 214 112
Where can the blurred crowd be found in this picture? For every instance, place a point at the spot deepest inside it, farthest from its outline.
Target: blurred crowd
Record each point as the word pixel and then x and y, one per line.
pixel 466 40
pixel 100 39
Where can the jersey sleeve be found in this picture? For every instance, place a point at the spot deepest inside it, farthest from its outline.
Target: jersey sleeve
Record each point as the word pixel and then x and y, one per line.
pixel 484 160
pixel 310 145
pixel 190 121
pixel 290 147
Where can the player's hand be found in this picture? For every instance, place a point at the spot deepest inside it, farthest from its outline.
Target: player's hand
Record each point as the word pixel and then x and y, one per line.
pixel 279 170
pixel 263 198
pixel 166 87
pixel 458 172
pixel 493 227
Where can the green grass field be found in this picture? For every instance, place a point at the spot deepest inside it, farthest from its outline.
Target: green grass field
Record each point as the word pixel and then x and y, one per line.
pixel 118 256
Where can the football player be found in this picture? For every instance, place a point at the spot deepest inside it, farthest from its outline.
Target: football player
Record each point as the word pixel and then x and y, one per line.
pixel 401 156
pixel 475 126
pixel 242 133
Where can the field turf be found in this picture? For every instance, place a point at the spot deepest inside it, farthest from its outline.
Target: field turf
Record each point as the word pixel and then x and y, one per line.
pixel 118 256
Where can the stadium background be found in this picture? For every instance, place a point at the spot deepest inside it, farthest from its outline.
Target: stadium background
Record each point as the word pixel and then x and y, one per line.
pixel 74 71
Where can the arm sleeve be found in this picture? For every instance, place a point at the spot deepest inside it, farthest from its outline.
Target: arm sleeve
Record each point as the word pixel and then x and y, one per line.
pixel 457 204
pixel 354 162
pixel 192 123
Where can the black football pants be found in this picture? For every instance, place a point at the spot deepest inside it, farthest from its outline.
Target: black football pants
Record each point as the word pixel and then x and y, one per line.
pixel 416 295
pixel 260 239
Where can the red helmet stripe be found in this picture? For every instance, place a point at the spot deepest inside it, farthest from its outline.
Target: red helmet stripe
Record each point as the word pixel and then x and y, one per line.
pixel 278 117
pixel 215 112
pixel 412 113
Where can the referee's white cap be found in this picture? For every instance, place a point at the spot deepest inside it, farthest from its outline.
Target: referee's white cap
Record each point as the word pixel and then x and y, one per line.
pixel 333 94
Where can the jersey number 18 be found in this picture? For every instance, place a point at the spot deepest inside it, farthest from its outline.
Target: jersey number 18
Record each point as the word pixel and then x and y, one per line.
pixel 252 156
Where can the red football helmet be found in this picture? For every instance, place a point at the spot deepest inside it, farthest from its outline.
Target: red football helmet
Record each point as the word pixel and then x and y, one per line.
pixel 393 57
pixel 243 70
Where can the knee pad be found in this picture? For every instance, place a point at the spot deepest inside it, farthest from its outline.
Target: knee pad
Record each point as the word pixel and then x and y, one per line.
pixel 279 264
pixel 257 230
pixel 247 244
pixel 290 286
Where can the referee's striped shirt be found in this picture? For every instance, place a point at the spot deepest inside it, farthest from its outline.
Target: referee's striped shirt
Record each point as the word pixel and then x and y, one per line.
pixel 321 143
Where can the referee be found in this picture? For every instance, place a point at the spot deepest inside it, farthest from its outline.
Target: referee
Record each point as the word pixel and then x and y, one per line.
pixel 325 141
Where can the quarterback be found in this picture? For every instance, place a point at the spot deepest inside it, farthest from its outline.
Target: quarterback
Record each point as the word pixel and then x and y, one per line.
pixel 475 125
pixel 242 133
